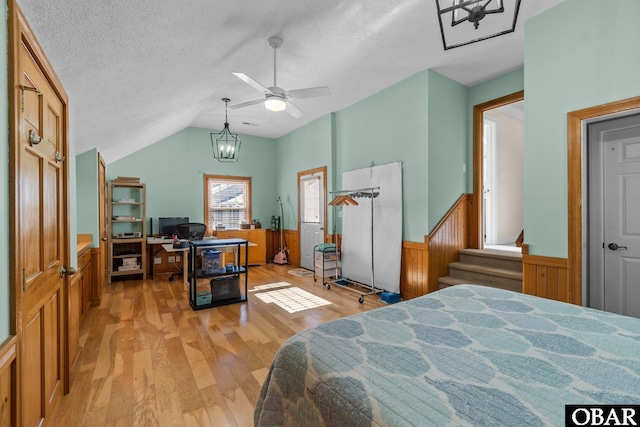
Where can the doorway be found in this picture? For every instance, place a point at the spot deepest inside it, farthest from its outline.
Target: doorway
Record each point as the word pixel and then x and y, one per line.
pixel 576 143
pixel 613 181
pixel 503 176
pixel 498 177
pixel 311 213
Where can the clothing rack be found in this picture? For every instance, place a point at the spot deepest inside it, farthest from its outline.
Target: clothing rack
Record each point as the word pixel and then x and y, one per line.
pixel 346 198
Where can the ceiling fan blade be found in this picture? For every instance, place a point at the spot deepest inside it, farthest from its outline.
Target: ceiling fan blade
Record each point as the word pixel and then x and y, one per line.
pixel 251 82
pixel 293 110
pixel 246 104
pixel 311 92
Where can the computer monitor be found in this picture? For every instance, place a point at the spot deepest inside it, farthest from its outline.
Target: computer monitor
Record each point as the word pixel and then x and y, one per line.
pixel 166 226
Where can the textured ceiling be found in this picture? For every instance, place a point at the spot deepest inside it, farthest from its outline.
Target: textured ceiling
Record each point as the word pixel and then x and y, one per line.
pixel 139 71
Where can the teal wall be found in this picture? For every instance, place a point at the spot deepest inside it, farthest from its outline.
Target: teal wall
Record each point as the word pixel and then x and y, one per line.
pixel 174 169
pixel 4 181
pixel 448 145
pixel 303 149
pixel 425 122
pixel 578 54
pixel 87 195
pixel 391 126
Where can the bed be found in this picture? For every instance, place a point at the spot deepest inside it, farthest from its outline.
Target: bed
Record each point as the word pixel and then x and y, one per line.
pixel 465 355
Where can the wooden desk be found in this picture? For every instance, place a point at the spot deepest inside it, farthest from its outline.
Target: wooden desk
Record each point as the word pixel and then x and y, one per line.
pixel 185 262
pixel 257 239
pixel 154 248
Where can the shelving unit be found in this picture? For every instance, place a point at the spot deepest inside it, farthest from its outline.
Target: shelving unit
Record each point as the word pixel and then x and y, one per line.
pixel 126 229
pixel 224 287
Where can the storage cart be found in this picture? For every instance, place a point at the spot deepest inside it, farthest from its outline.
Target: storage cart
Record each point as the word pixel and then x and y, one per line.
pixel 326 262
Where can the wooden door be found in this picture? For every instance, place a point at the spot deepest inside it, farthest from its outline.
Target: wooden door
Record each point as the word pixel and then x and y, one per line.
pixel 102 216
pixel 39 220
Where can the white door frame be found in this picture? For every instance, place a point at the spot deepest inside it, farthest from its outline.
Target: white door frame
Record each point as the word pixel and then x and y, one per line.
pixel 321 171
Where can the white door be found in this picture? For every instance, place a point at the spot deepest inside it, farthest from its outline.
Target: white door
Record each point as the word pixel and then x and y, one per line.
pixel 488 182
pixel 622 221
pixel 617 289
pixel 311 216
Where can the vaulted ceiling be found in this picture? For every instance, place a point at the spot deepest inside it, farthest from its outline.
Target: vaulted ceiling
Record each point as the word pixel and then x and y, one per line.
pixel 139 71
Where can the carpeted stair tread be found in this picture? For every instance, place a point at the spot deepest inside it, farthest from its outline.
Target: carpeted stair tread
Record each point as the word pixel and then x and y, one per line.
pixel 492 258
pixel 492 253
pixel 491 271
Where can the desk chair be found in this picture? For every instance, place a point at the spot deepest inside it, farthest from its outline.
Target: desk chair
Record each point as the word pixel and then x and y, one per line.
pixel 188 231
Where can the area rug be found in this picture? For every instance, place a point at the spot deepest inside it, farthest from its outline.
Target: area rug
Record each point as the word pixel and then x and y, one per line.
pixel 301 272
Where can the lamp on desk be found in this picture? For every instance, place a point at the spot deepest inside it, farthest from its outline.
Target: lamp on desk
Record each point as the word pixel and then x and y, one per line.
pixel 225 145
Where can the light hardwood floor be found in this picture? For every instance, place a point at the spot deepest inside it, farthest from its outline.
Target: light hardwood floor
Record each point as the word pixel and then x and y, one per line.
pixel 148 359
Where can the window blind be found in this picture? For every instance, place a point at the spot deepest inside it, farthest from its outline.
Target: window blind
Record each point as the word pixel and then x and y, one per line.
pixel 228 202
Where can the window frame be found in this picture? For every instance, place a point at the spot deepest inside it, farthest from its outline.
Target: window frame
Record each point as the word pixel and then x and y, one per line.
pixel 231 179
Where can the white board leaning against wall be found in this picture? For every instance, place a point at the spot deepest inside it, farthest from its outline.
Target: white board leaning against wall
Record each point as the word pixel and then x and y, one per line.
pixel 387 227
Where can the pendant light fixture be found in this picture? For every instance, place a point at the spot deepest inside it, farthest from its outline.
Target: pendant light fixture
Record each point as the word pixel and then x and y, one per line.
pixel 504 14
pixel 225 145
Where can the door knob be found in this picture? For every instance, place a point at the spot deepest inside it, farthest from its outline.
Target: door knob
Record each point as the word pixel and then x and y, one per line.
pixel 615 247
pixel 67 270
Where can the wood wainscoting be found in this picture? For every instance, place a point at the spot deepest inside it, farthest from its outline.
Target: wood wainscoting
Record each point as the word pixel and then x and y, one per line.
pixel 97 276
pixel 424 263
pixel 291 242
pixel 546 277
pixel 447 238
pixel 414 270
pixel 8 352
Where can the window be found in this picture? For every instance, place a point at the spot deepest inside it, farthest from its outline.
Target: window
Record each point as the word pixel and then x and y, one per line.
pixel 311 200
pixel 227 201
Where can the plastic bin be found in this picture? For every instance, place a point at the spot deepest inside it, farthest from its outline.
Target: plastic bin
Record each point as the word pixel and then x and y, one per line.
pixel 203 297
pixel 212 261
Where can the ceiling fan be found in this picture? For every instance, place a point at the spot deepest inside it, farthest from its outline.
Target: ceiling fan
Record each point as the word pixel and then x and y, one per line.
pixel 276 98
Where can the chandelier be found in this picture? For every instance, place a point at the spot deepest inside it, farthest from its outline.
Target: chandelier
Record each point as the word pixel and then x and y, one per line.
pixel 225 145
pixel 504 14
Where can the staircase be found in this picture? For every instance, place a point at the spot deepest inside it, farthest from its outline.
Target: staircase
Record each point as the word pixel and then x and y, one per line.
pixel 497 269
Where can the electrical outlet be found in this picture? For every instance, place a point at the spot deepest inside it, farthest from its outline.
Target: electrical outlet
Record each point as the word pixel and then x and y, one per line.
pixel 157 260
pixel 172 259
pixel 177 258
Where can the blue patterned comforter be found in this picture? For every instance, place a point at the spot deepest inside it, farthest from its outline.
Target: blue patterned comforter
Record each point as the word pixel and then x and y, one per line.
pixel 465 355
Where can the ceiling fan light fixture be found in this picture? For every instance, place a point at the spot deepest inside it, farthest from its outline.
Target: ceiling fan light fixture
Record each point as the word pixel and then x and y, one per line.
pixel 274 103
